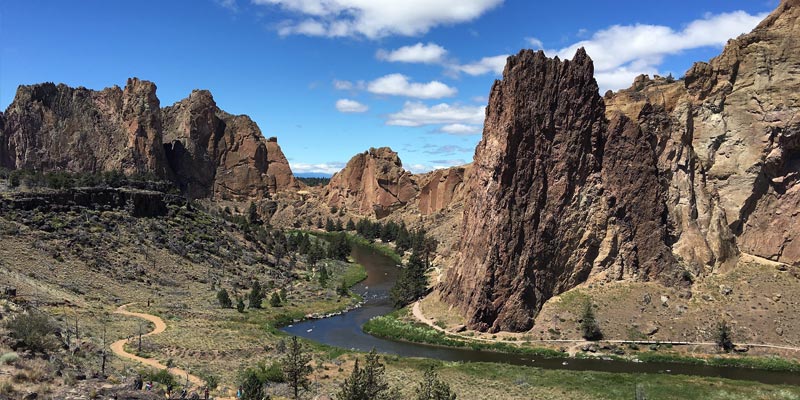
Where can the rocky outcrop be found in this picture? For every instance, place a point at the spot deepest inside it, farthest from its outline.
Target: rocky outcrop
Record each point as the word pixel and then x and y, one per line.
pixel 139 203
pixel 667 181
pixel 202 149
pixel 372 183
pixel 56 127
pixel 440 188
pixel 215 154
pixel 542 211
pixel 728 142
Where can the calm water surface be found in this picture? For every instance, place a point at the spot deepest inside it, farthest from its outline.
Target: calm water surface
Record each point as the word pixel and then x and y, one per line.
pixel 345 331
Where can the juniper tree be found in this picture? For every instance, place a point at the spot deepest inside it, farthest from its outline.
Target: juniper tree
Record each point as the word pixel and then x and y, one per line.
pixel 296 367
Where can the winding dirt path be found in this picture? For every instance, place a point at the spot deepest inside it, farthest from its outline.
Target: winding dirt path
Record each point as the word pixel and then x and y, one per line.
pixel 418 314
pixel 118 347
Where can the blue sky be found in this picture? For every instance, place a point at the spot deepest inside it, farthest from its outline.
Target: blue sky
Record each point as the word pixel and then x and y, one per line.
pixel 331 78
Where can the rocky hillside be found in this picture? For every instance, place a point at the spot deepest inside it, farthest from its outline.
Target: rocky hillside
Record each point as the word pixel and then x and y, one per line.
pixel 666 181
pixel 202 149
pixel 374 183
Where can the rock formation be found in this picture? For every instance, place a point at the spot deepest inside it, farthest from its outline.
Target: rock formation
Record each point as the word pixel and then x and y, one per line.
pixel 372 183
pixel 219 155
pixel 440 188
pixel 208 152
pixel 667 181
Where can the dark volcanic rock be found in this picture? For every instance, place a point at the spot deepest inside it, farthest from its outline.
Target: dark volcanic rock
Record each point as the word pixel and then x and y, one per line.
pixel 556 193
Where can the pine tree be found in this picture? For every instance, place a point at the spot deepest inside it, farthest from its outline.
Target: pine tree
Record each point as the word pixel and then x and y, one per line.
pixel 256 295
pixel 368 383
pixel 350 225
pixel 240 305
pixel 323 276
pixel 275 300
pixel 329 225
pixel 296 367
pixel 431 388
pixel 723 336
pixel 589 328
pixel 224 299
pixel 412 282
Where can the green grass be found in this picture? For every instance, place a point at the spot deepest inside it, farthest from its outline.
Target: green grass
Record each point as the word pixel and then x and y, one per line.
pixel 765 363
pixel 390 326
pixel 359 240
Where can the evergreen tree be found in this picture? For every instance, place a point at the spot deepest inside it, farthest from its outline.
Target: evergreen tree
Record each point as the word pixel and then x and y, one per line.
pixel 283 294
pixel 256 295
pixel 296 367
pixel 252 383
pixel 589 328
pixel 315 253
pixel 403 240
pixel 323 276
pixel 338 248
pixel 412 282
pixel 252 214
pixel 224 299
pixel 342 289
pixel 240 305
pixel 368 383
pixel 724 337
pixel 431 388
pixel 350 225
pixel 275 300
pixel 329 225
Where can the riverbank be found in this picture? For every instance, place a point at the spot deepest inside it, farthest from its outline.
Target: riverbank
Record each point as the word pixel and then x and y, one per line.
pixel 410 326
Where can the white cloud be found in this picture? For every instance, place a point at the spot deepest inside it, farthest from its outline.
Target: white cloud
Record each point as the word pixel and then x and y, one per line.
pixel 350 106
pixel 622 52
pixel 461 129
pixel 433 165
pixel 485 65
pixel 342 85
pixel 328 168
pixel 418 114
pixel 535 43
pixel 430 53
pixel 399 85
pixel 375 19
pixel 229 4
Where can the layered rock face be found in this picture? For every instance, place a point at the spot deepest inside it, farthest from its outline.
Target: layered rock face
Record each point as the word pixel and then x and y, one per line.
pixel 219 155
pixel 542 213
pixel 728 141
pixel 671 180
pixel 372 183
pixel 440 188
pixel 202 149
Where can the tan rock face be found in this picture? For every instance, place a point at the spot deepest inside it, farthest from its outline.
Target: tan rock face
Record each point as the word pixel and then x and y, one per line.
pixel 728 142
pixel 372 183
pixel 209 153
pixel 671 179
pixel 440 188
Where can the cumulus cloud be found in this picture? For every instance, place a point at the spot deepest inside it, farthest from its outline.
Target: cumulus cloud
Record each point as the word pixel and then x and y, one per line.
pixel 418 114
pixel 374 19
pixel 399 85
pixel 350 106
pixel 622 52
pixel 535 43
pixel 485 65
pixel 328 168
pixel 461 129
pixel 430 53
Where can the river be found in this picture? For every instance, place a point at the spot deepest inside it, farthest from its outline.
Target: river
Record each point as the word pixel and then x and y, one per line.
pixel 344 331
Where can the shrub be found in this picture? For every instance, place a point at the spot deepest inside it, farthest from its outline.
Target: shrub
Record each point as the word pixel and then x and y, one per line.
pixel 9 358
pixel 275 300
pixel 723 336
pixel 34 330
pixel 161 376
pixel 224 299
pixel 240 305
pixel 431 388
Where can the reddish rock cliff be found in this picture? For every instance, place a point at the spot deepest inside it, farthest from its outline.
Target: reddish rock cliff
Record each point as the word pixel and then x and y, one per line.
pixel 208 152
pixel 219 155
pixel 372 183
pixel 670 181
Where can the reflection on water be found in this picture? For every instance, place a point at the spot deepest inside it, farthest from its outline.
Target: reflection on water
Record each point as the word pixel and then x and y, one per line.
pixel 345 331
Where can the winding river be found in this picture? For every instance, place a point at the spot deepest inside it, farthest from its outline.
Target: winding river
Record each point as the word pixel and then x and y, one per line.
pixel 344 331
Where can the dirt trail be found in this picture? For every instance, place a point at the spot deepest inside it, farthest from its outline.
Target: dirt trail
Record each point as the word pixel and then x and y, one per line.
pixel 417 312
pixel 118 347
